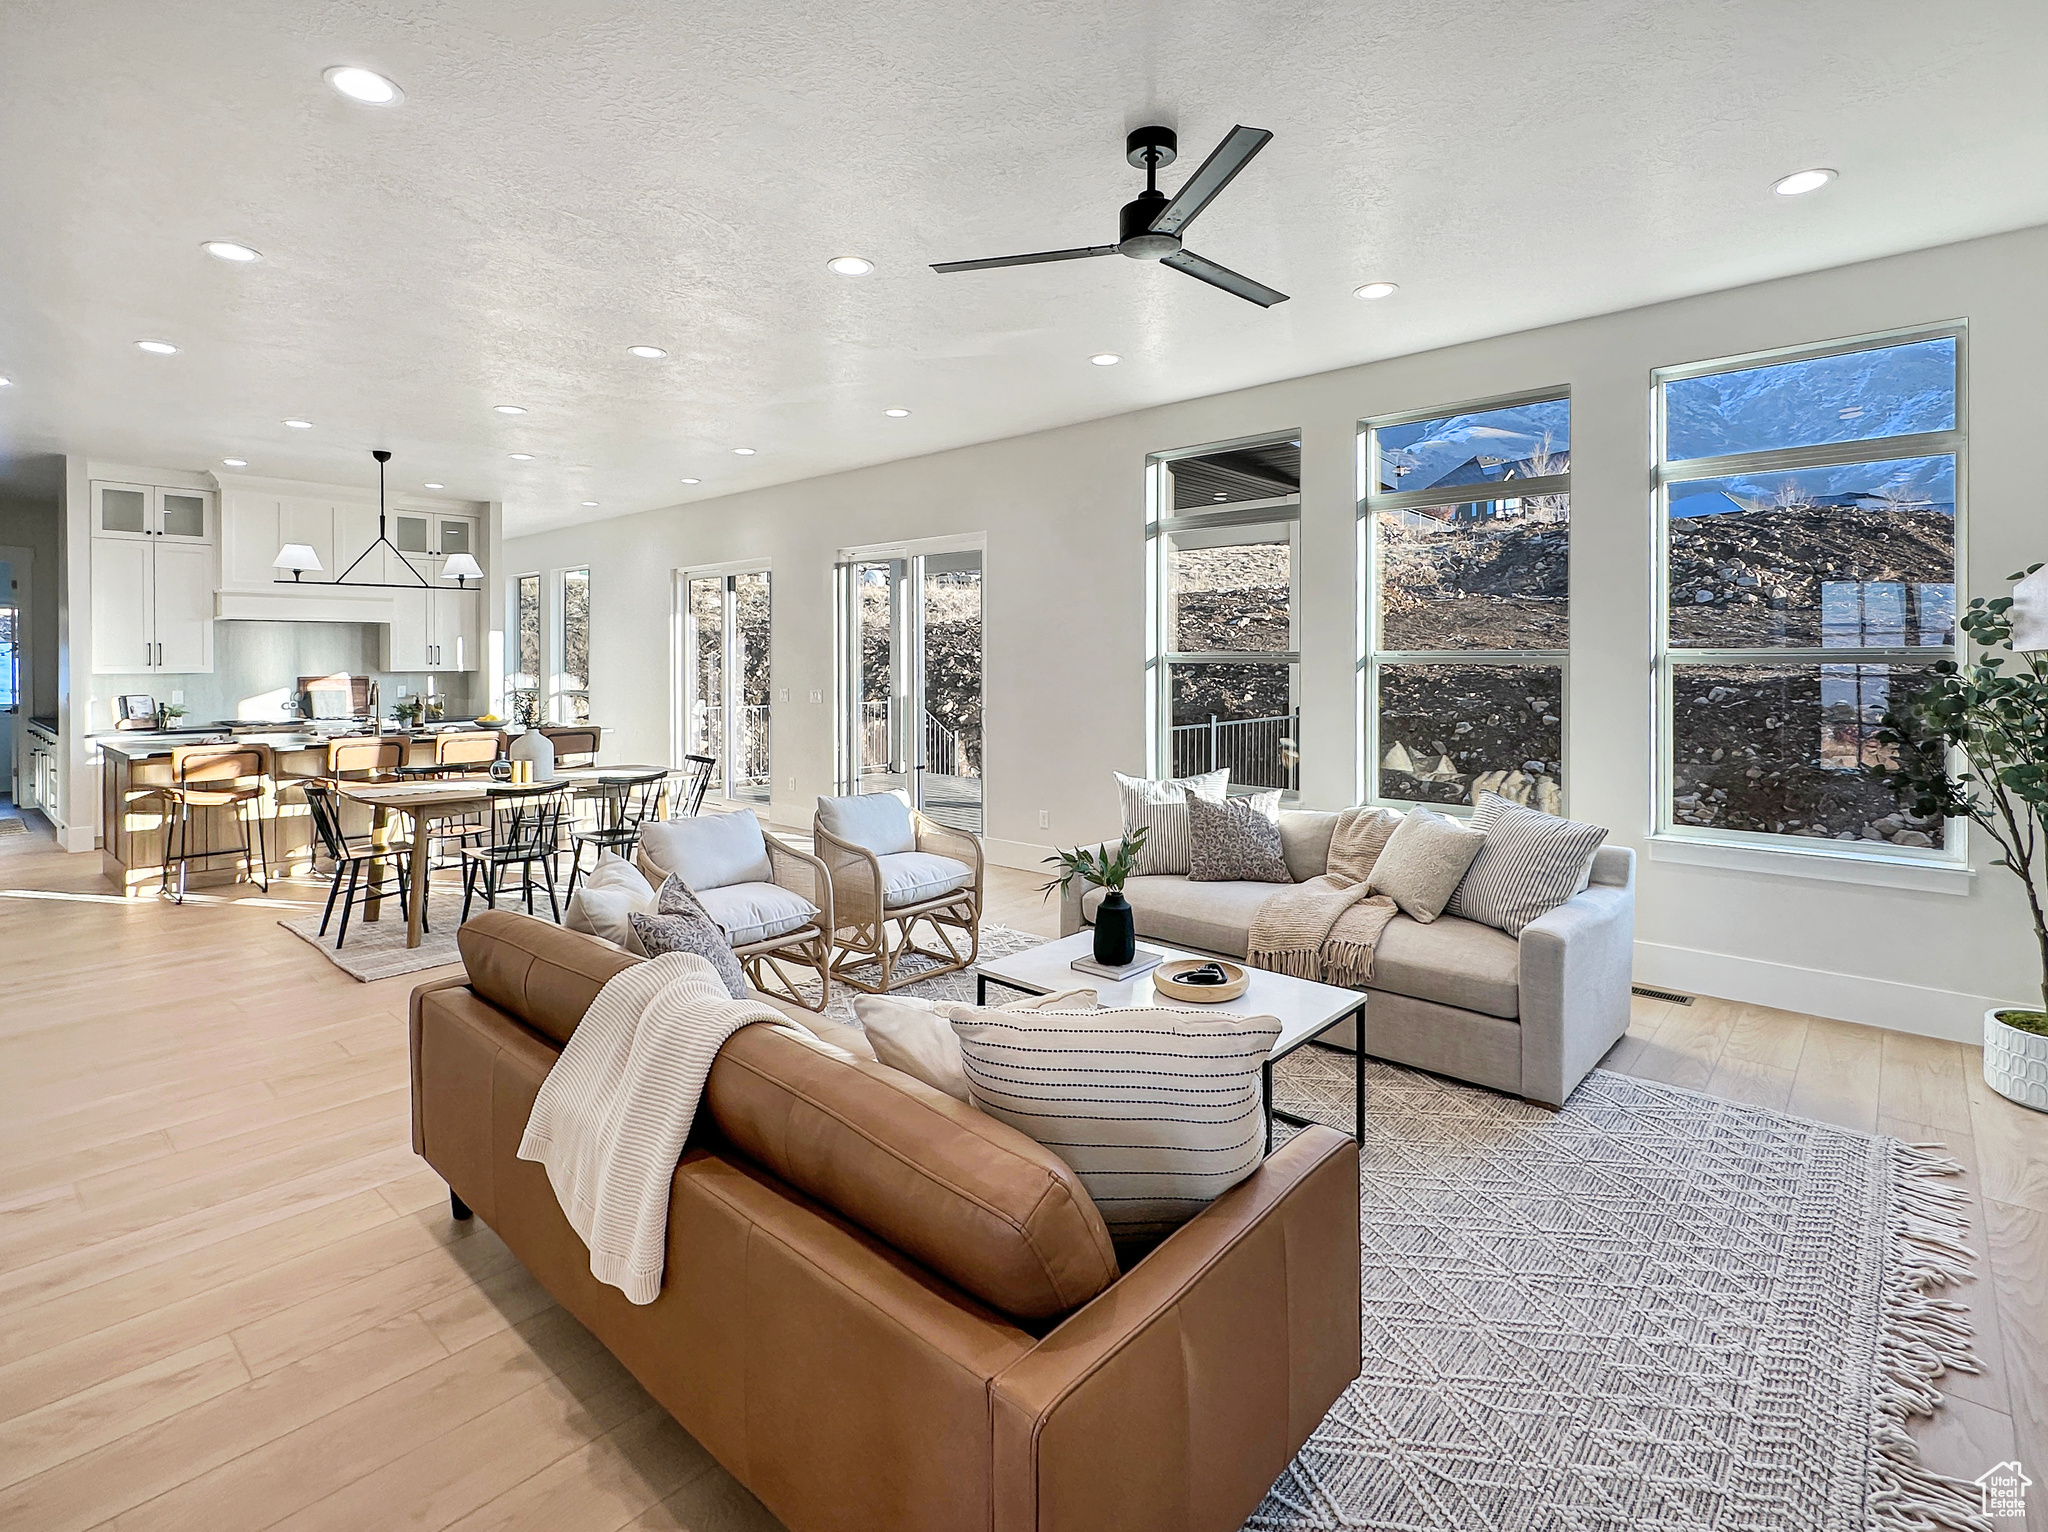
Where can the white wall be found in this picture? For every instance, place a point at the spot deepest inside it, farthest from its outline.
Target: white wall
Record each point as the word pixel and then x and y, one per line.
pixel 1063 512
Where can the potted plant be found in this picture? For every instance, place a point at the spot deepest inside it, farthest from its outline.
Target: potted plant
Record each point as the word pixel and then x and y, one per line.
pixel 1972 743
pixel 1116 932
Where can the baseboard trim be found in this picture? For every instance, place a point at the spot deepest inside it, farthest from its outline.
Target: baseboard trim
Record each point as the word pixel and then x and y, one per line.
pixel 1020 854
pixel 1948 1014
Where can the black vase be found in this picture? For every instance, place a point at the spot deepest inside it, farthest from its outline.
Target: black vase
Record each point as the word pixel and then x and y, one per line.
pixel 1116 932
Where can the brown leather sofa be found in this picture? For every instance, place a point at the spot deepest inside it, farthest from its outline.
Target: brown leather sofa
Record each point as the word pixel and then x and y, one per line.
pixel 884 1310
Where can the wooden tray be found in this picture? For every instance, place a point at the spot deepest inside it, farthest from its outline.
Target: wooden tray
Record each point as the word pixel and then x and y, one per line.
pixel 1201 994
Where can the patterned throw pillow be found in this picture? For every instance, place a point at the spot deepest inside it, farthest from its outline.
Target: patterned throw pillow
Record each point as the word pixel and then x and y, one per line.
pixel 1158 1111
pixel 1162 808
pixel 1530 863
pixel 681 925
pixel 1236 841
pixel 1422 862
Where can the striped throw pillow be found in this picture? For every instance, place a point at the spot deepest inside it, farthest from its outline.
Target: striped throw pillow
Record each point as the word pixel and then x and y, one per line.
pixel 1529 864
pixel 1162 808
pixel 1158 1111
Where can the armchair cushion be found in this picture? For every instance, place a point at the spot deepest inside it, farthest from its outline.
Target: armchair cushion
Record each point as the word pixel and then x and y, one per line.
pixel 756 912
pixel 709 850
pixel 877 822
pixel 911 877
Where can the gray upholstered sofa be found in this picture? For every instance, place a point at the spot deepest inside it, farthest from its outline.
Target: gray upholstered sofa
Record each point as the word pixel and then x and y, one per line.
pixel 1529 1016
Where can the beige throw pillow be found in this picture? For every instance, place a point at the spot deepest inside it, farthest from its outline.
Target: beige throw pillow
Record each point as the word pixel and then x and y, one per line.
pixel 916 1036
pixel 1424 859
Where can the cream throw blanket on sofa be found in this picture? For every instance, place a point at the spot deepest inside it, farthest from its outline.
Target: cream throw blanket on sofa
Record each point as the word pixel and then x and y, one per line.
pixel 1326 929
pixel 611 1117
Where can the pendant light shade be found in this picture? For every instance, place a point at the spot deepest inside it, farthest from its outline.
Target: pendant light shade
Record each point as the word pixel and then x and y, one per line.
pixel 463 568
pixel 297 557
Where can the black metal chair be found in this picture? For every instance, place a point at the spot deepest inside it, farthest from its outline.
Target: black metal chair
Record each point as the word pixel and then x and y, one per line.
pixel 525 828
pixel 626 806
pixel 350 855
pixel 702 769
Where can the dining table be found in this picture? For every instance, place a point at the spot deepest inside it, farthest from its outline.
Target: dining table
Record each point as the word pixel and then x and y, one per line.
pixel 428 801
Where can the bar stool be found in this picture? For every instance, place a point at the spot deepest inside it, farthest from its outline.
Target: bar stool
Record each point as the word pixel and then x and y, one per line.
pixel 365 759
pixel 456 754
pixel 215 777
pixel 578 739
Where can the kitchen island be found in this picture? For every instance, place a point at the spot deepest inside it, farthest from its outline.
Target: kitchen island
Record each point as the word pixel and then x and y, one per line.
pixel 133 765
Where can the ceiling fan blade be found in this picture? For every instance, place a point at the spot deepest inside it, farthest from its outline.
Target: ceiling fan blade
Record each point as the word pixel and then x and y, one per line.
pixel 1222 276
pixel 1025 260
pixel 1225 161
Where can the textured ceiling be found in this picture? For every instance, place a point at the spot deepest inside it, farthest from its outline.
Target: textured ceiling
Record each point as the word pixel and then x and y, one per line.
pixel 569 177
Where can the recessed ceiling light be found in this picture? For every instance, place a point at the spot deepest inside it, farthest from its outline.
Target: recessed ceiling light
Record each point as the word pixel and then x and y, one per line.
pixel 1375 290
pixel 693 481
pixel 522 457
pixel 646 353
pixel 896 414
pixel 364 85
pixel 236 462
pixel 849 266
pixel 588 504
pixel 228 250
pixel 1105 359
pixel 509 409
pixel 432 485
pixel 1800 182
pixel 157 347
pixel 743 451
pixel 300 425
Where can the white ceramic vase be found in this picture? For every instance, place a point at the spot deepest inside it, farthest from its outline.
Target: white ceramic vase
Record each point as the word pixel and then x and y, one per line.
pixel 2015 1062
pixel 536 747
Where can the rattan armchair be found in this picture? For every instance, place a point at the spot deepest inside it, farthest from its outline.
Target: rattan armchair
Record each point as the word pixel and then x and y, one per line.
pixel 876 931
pixel 775 964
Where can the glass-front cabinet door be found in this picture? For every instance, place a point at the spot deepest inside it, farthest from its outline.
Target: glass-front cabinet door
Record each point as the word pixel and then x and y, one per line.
pixel 121 510
pixel 181 516
pixel 412 532
pixel 454 534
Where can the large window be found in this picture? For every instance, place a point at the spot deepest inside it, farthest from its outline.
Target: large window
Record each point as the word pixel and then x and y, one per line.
pixel 1223 526
pixel 1465 534
pixel 572 691
pixel 1808 507
pixel 522 686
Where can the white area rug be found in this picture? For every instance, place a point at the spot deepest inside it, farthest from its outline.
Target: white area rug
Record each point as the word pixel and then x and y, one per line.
pixel 376 949
pixel 1652 1309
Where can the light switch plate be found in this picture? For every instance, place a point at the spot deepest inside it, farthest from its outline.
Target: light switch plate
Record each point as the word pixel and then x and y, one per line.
pixel 1045 819
pixel 177 696
pixel 817 696
pixel 782 695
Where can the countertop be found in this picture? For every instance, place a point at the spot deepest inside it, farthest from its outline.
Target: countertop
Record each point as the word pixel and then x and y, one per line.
pixel 140 745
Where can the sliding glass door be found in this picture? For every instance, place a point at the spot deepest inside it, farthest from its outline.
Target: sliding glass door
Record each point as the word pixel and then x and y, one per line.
pixel 725 715
pixel 910 684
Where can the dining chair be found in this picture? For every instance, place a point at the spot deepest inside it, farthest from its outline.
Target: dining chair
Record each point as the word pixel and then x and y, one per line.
pixel 350 853
pixel 525 829
pixel 460 753
pixel 203 777
pixel 627 805
pixel 691 799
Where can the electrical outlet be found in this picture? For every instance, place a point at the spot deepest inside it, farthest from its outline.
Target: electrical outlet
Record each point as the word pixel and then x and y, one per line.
pixel 177 696
pixel 817 697
pixel 792 784
pixel 1045 819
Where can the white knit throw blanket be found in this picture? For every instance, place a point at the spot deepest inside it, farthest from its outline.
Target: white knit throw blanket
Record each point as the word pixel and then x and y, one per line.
pixel 1328 928
pixel 612 1115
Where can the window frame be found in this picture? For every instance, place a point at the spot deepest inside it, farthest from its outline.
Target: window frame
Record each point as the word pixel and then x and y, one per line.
pixel 559 692
pixel 1667 658
pixel 684 659
pixel 512 654
pixel 1161 522
pixel 1372 659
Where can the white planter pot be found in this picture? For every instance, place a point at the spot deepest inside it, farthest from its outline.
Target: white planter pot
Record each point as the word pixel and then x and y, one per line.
pixel 2015 1062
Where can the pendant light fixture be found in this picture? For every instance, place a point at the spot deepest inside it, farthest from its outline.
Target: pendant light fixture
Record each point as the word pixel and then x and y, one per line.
pixel 298 557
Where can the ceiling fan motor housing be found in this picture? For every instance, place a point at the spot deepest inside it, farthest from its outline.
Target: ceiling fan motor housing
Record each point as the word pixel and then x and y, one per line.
pixel 1135 235
pixel 1163 141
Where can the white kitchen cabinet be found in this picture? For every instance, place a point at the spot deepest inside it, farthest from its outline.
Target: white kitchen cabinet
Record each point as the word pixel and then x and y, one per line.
pixel 254 527
pixel 435 629
pixel 152 580
pixel 433 534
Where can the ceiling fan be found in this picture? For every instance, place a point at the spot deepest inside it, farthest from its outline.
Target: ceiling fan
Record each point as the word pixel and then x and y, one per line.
pixel 1149 228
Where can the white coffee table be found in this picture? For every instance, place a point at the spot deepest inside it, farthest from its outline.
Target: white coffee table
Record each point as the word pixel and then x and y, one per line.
pixel 1306 1010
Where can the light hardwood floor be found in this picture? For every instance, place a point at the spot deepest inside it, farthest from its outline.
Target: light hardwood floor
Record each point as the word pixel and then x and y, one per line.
pixel 230 1298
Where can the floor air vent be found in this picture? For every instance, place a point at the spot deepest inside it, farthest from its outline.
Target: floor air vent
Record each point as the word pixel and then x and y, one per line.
pixel 1659 994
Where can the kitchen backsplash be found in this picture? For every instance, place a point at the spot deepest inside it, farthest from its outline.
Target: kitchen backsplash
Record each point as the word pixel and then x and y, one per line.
pixel 256 665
